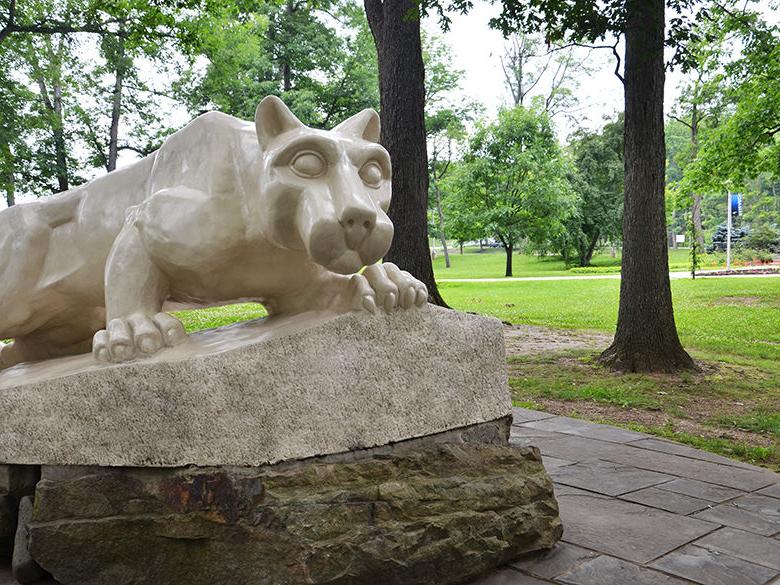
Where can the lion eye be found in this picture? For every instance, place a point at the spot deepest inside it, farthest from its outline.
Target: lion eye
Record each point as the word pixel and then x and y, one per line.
pixel 308 164
pixel 371 173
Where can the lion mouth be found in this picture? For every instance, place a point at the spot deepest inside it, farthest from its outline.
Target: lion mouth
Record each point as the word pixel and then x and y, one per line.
pixel 328 247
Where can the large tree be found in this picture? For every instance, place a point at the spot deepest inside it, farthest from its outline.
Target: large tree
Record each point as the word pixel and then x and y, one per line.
pixel 513 180
pixel 395 26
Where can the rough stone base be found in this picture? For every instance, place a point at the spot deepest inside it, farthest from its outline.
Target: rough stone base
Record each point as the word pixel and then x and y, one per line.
pixel 16 481
pixel 439 515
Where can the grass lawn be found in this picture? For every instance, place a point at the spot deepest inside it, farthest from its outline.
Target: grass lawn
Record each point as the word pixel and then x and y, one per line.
pixel 491 263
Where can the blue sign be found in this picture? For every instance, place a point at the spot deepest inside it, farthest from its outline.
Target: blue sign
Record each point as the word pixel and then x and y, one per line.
pixel 735 204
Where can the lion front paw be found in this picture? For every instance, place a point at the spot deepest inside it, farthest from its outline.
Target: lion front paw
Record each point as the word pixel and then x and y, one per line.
pixel 136 335
pixel 388 287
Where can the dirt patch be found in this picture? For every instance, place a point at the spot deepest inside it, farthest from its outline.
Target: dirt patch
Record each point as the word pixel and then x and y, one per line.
pixel 532 340
pixel 738 300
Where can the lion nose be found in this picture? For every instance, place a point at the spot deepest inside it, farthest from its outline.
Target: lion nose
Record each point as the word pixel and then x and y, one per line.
pixel 357 223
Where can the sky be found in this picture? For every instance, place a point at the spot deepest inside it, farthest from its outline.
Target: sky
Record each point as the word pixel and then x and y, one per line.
pixel 477 50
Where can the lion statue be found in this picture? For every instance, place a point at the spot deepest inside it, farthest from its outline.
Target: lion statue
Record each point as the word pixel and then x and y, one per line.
pixel 226 210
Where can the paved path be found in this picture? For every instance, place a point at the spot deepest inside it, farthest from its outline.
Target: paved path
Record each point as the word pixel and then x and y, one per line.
pixel 672 276
pixel 638 510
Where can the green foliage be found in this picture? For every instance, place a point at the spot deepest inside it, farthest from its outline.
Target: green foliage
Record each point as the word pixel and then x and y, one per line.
pixel 513 180
pixel 598 181
pixel 264 48
pixel 745 144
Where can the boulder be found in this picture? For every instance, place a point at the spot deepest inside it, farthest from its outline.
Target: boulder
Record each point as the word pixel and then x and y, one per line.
pixel 441 514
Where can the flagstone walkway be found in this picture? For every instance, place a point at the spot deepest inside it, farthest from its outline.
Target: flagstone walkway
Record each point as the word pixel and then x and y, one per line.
pixel 638 510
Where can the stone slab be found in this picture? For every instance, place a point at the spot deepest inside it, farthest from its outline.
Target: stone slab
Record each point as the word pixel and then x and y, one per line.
pixel 560 559
pixel 772 490
pixel 611 479
pixel 665 500
pixel 702 490
pixel 625 530
pixel 261 392
pixel 687 451
pixel 445 514
pixel 574 426
pixel 744 545
pixel 725 475
pixel 7 524
pixel 606 570
pixel 752 512
pixel 524 415
pixel 713 568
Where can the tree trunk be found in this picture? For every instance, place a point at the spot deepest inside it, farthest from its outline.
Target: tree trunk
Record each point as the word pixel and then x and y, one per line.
pixel 60 154
pixel 442 234
pixel 461 248
pixel 7 178
pixel 646 337
pixel 116 110
pixel 402 99
pixel 120 71
pixel 586 254
pixel 696 208
pixel 508 250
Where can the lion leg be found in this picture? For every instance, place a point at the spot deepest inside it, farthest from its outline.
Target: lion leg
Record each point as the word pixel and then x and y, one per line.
pixel 66 338
pixel 135 291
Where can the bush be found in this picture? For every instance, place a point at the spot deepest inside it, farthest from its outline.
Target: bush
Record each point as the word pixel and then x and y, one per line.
pixel 751 255
pixel 764 237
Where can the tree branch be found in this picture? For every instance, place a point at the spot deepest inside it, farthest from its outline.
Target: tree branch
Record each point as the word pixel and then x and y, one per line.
pixel 681 121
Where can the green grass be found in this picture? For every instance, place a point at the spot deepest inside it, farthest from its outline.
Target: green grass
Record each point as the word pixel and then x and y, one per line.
pixel 491 263
pixel 218 316
pixel 711 314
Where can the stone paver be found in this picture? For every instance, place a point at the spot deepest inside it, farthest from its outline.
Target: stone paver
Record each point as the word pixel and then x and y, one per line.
pixel 628 531
pixel 524 415
pixel 563 558
pixel 744 545
pixel 699 489
pixel 672 448
pixel 733 477
pixel 772 490
pixel 653 512
pixel 611 479
pixel 713 568
pixel 665 500
pixel 752 512
pixel 580 428
pixel 611 571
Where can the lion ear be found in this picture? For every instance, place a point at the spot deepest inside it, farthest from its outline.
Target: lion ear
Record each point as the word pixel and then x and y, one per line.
pixel 273 118
pixel 363 125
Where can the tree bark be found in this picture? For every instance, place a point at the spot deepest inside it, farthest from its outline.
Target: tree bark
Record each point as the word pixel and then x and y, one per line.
pixel 586 254
pixel 508 249
pixel 646 338
pixel 402 101
pixel 116 109
pixel 440 213
pixel 7 178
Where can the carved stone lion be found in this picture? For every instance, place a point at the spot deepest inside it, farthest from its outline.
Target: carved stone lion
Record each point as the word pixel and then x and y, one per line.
pixel 225 210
